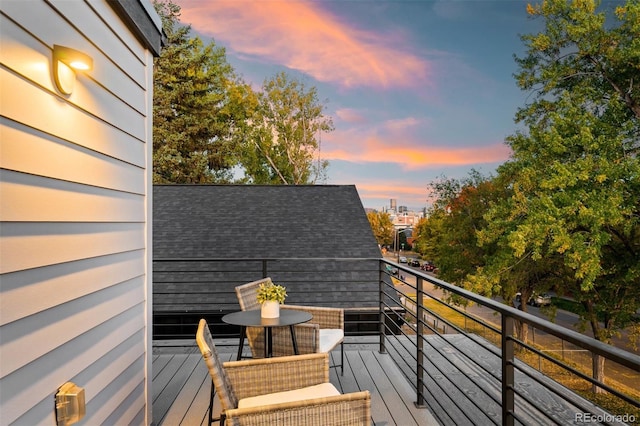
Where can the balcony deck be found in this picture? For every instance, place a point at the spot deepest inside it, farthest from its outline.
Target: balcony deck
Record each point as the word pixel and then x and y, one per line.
pixel 472 369
pixel 458 392
pixel 181 384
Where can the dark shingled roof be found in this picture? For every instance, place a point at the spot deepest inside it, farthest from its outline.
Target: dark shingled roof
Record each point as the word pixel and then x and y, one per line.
pixel 260 221
pixel 315 240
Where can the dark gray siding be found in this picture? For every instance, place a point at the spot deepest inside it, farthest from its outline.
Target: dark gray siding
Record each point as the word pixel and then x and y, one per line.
pixel 315 240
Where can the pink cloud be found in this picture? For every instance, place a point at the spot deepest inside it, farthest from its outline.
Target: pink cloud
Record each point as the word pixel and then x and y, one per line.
pixel 304 37
pixel 402 148
pixel 350 115
pixel 377 195
pixel 401 124
pixel 388 191
pixel 412 157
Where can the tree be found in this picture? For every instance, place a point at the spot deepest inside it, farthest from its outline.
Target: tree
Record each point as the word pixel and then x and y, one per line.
pixel 579 49
pixel 403 239
pixel 200 107
pixel 208 123
pixel 284 144
pixel 575 175
pixel 382 227
pixel 421 237
pixel 448 236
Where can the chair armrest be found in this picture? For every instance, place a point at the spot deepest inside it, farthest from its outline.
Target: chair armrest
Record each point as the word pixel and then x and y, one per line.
pixel 307 336
pixel 340 410
pixel 325 317
pixel 270 375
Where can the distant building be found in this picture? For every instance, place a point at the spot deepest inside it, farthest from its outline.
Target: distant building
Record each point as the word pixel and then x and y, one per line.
pixel 405 221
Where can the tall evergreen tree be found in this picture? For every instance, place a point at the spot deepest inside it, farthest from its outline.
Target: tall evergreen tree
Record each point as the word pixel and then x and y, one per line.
pixel 200 107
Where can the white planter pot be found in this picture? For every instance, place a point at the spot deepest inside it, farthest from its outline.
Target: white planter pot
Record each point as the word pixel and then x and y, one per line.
pixel 270 309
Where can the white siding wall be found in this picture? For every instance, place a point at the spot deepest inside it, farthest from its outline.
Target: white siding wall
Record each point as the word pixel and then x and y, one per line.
pixel 75 209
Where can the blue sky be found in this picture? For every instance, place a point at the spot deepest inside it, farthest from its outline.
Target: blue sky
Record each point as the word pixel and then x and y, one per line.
pixel 417 89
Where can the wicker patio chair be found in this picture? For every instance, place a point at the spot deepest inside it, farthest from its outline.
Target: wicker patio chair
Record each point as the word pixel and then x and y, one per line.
pixel 320 335
pixel 290 390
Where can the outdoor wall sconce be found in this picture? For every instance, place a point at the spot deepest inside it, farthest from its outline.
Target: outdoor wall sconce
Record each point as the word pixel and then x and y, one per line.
pixel 65 61
pixel 70 405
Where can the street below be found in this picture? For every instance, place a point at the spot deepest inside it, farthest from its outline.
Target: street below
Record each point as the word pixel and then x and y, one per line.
pixel 563 318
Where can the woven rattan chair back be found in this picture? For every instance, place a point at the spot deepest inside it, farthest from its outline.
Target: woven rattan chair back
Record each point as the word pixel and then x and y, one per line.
pixel 204 339
pixel 248 294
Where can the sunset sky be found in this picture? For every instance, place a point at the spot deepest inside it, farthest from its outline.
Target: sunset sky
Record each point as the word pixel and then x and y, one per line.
pixel 417 89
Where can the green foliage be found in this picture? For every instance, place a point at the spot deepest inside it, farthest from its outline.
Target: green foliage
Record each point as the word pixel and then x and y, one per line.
pixel 448 235
pixel 572 219
pixel 270 291
pixel 198 107
pixel 283 145
pixel 420 241
pixel 584 47
pixel 382 227
pixel 403 241
pixel 208 123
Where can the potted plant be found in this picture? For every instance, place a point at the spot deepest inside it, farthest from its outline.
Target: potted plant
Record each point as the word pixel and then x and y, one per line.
pixel 270 296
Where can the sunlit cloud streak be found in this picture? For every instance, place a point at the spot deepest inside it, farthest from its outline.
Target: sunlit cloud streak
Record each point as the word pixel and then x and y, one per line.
pixel 395 141
pixel 388 191
pixel 350 115
pixel 414 196
pixel 303 36
pixel 412 157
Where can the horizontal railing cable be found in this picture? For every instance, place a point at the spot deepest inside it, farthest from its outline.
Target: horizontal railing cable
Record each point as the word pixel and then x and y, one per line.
pixel 417 312
pixel 418 323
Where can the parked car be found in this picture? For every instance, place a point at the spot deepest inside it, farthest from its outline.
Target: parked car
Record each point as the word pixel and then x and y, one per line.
pixel 414 262
pixel 403 259
pixel 543 299
pixel 392 270
pixel 428 266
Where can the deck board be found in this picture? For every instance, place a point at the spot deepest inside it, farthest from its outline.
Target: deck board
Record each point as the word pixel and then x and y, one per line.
pixel 186 397
pixel 396 406
pixel 171 380
pixel 402 387
pixel 181 387
pixel 462 385
pixel 379 411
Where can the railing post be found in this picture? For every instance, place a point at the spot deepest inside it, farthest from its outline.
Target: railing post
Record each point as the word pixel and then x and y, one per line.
pixel 508 355
pixel 420 342
pixel 383 349
pixel 264 268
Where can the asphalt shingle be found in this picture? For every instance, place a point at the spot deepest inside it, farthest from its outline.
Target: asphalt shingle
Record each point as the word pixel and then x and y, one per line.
pixel 209 238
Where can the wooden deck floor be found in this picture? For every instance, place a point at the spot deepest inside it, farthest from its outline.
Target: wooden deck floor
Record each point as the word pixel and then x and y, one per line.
pixel 181 386
pixel 458 391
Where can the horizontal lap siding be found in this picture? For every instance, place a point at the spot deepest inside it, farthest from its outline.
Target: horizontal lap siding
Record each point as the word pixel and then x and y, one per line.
pixel 90 167
pixel 73 203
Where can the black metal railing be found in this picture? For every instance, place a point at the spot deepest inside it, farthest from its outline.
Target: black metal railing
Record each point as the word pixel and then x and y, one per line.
pixel 426 326
pixel 437 325
pixel 187 289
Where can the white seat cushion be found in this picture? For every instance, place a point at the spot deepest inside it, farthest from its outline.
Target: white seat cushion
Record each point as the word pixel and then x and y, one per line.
pixel 329 338
pixel 316 391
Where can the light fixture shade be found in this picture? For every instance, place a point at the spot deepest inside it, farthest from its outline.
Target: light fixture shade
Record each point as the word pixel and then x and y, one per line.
pixel 65 61
pixel 74 58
